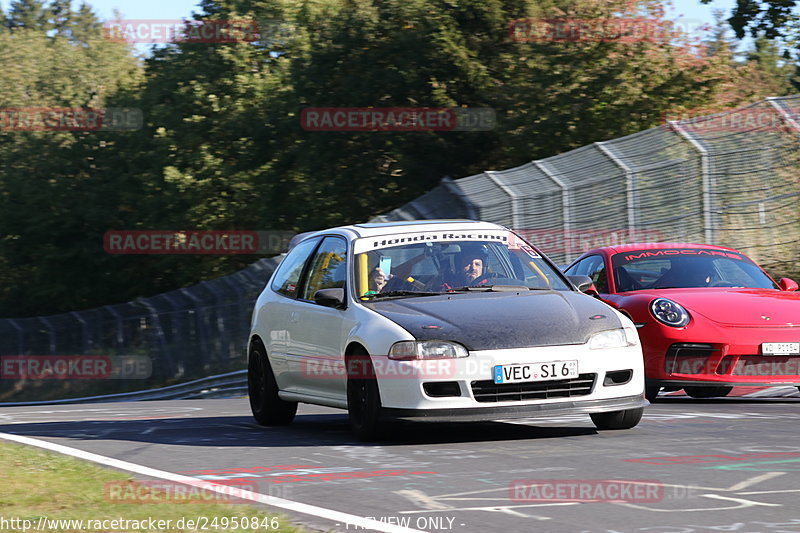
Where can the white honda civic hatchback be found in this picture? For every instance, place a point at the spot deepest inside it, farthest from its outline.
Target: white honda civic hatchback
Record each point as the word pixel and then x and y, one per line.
pixel 438 320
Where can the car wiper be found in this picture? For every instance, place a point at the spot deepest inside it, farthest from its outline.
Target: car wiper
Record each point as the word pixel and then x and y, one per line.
pixel 399 293
pixel 497 288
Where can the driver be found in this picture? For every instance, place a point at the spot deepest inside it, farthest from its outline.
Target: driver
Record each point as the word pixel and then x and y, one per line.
pixel 470 269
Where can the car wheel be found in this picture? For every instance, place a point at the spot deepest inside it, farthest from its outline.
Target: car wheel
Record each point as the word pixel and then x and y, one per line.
pixel 363 397
pixel 268 409
pixel 707 392
pixel 618 419
pixel 651 392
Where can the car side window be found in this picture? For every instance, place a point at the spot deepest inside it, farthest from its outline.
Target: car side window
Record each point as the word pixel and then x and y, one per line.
pixel 287 278
pixel 577 269
pixel 597 271
pixel 328 267
pixel 594 267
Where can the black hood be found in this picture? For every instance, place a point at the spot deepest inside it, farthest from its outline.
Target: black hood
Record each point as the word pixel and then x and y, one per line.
pixel 497 320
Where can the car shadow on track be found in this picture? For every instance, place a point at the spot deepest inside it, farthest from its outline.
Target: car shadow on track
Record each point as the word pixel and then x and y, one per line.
pixel 668 400
pixel 307 430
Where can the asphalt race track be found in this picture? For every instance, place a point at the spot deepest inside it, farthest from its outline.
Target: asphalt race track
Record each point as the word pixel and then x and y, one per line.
pixel 690 466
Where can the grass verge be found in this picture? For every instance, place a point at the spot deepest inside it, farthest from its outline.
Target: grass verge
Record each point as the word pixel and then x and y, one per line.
pixel 44 491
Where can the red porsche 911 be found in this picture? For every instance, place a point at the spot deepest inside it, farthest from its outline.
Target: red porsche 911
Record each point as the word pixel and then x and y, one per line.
pixel 709 318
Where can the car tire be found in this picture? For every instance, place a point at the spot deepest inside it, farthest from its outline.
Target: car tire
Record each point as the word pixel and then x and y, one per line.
pixel 618 419
pixel 651 392
pixel 707 392
pixel 363 397
pixel 267 407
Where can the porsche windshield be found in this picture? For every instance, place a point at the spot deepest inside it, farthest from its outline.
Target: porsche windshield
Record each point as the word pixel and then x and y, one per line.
pixel 686 268
pixel 437 262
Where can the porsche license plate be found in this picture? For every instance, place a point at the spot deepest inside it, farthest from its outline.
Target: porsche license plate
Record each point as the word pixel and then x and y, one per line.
pixel 780 348
pixel 543 371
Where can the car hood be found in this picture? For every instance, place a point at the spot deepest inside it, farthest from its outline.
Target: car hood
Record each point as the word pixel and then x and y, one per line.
pixel 498 320
pixel 739 307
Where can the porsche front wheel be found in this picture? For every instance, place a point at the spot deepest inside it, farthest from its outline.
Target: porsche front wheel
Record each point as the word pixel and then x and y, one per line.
pixel 651 392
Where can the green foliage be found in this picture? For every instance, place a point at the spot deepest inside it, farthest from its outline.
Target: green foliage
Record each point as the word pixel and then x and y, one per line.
pixel 222 146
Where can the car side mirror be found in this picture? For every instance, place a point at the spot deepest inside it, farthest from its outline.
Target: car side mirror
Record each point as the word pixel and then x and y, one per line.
pixel 788 284
pixel 330 298
pixel 584 284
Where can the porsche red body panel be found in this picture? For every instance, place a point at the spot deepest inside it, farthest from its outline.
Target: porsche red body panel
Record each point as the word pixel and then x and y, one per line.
pixel 723 342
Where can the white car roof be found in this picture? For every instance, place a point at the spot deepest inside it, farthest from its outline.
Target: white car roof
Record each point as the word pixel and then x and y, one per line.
pixel 411 226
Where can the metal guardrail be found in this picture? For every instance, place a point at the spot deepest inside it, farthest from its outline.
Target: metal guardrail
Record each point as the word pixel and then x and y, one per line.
pixel 221 385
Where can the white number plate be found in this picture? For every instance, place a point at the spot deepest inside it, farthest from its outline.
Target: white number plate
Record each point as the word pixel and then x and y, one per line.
pixel 544 371
pixel 780 348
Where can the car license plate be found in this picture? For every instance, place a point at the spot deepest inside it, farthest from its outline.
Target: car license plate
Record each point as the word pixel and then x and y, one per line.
pixel 780 348
pixel 543 371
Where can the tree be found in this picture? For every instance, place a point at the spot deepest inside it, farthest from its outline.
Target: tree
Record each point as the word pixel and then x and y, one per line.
pixel 222 146
pixel 30 14
pixel 51 195
pixel 770 18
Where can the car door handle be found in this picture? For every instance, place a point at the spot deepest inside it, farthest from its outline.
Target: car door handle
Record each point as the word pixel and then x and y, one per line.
pixel 293 316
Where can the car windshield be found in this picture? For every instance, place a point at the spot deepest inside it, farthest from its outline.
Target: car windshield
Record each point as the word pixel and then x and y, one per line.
pixel 436 262
pixel 671 268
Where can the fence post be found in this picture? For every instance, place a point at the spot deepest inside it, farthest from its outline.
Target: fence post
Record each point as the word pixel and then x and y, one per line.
pixel 85 342
pixel 630 185
pixel 200 330
pixel 120 336
pixel 565 206
pixel 160 341
pixel 708 182
pixel 515 223
pixel 782 112
pixel 51 333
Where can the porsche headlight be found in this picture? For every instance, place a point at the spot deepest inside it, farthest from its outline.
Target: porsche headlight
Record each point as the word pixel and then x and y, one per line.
pixel 613 338
pixel 408 350
pixel 669 312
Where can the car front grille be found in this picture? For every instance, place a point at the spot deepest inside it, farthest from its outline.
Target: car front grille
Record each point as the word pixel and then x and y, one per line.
pixel 488 391
pixel 690 358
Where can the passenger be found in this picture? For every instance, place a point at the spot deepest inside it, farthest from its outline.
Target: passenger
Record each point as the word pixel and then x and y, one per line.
pixel 376 281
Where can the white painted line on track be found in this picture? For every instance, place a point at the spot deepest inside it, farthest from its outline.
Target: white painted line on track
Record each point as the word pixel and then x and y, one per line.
pixel 289 505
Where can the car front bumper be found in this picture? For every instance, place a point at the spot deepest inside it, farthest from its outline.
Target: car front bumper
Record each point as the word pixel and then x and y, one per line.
pixel 518 411
pixel 713 355
pixel 467 383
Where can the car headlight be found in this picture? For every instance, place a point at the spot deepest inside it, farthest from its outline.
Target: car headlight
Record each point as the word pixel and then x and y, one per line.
pixel 669 312
pixel 613 338
pixel 407 350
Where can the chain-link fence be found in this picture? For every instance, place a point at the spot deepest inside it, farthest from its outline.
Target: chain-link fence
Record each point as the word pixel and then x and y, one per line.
pixel 187 333
pixel 729 179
